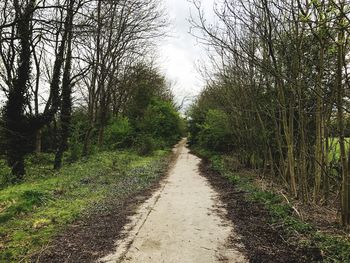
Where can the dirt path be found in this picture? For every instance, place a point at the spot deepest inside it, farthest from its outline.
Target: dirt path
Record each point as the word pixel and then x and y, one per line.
pixel 181 222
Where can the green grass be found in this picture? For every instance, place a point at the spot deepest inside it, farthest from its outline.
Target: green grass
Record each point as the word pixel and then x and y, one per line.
pixel 32 212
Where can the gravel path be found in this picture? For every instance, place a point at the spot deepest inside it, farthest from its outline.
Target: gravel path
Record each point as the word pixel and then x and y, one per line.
pixel 181 222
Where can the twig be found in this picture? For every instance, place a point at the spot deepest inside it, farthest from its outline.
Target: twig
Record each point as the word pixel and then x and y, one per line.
pixel 293 207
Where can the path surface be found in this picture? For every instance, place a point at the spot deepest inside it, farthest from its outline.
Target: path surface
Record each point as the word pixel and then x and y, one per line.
pixel 181 222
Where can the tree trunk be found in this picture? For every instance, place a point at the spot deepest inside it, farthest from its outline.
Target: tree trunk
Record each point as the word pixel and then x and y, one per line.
pixel 66 100
pixel 319 128
pixel 38 141
pixel 92 95
pixel 16 128
pixel 340 96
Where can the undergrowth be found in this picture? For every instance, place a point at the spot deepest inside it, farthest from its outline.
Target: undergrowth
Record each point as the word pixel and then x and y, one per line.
pixel 31 213
pixel 333 248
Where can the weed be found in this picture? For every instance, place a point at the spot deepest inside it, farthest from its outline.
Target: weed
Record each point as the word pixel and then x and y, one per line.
pixel 217 164
pixel 334 249
pixel 234 179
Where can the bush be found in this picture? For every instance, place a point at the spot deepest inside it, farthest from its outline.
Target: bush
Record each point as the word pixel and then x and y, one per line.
pixel 39 159
pixel 75 144
pixel 217 163
pixel 215 132
pixel 5 174
pixel 145 144
pixel 162 122
pixel 118 133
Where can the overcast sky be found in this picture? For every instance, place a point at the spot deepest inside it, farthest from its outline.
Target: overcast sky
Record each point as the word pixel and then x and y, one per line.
pixel 180 53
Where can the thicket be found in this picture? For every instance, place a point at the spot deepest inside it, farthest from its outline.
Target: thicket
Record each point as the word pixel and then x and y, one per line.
pixel 278 98
pixel 81 102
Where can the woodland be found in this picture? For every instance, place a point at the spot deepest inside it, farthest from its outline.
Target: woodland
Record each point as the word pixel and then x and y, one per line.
pixel 85 111
pixel 88 120
pixel 279 96
pixel 78 75
pixel 273 119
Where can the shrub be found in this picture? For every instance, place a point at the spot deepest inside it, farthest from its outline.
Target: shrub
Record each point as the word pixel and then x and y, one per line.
pixel 5 173
pixel 217 163
pixel 145 144
pixel 75 144
pixel 215 131
pixel 162 122
pixel 118 133
pixel 234 179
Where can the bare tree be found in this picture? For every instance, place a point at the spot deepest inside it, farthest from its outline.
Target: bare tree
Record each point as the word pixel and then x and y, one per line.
pixel 280 81
pixel 24 24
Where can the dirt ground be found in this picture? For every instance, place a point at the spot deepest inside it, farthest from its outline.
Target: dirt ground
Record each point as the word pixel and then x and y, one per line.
pixel 184 221
pixel 264 243
pixel 192 215
pixel 94 233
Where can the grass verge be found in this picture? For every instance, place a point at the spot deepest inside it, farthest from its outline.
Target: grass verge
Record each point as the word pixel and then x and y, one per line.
pixel 327 247
pixel 33 212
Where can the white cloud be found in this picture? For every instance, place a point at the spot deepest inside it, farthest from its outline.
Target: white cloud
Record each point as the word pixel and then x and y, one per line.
pixel 180 53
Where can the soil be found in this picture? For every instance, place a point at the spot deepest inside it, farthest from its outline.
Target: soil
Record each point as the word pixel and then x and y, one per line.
pixel 324 216
pixel 93 235
pixel 185 217
pixel 263 242
pixel 182 222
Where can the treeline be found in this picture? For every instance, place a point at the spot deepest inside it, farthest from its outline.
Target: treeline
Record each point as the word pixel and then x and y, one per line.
pixel 279 97
pixel 77 75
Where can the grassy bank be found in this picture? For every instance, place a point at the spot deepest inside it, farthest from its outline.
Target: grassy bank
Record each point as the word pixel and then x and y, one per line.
pixel 33 212
pixel 332 247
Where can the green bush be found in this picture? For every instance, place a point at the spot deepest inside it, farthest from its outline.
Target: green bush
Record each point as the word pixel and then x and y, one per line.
pixel 145 144
pixel 118 133
pixel 217 163
pixel 335 249
pixel 162 122
pixel 39 159
pixel 5 174
pixel 234 179
pixel 75 144
pixel 215 132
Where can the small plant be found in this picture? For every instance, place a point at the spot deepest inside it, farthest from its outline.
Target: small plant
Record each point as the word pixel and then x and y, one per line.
pixel 217 163
pixel 75 146
pixel 334 249
pixel 266 197
pixel 145 145
pixel 234 179
pixel 5 174
pixel 294 224
pixel 118 133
